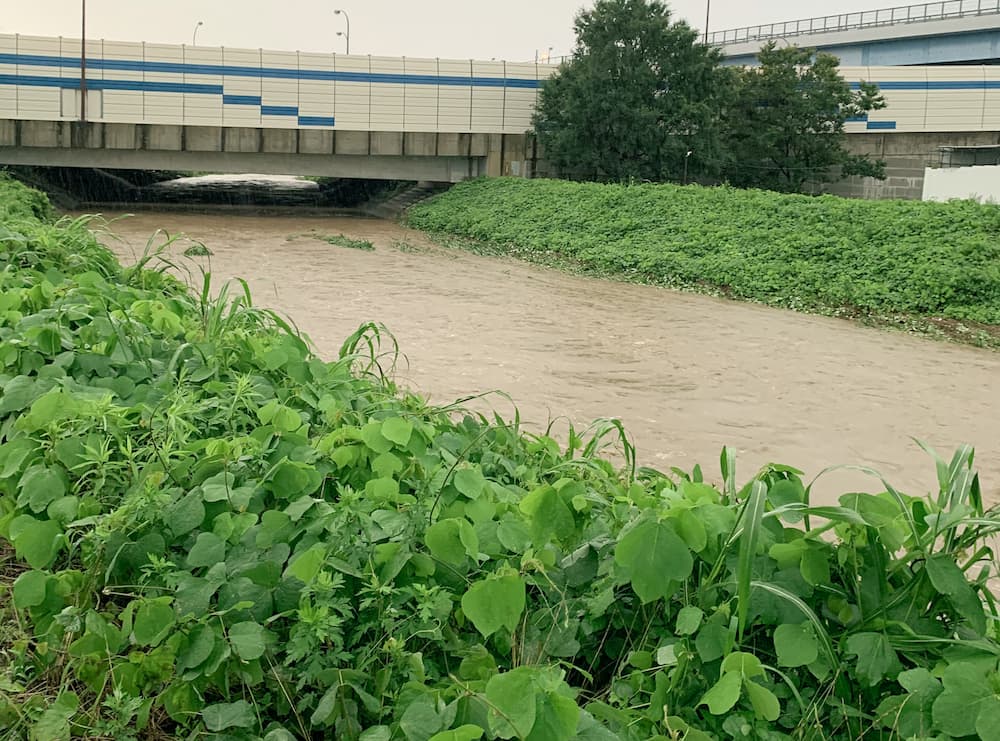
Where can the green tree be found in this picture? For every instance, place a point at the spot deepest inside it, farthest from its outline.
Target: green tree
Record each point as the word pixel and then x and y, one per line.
pixel 786 124
pixel 638 95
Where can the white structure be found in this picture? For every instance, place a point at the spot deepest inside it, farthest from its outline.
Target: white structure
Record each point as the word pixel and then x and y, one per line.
pixel 980 183
pixel 215 86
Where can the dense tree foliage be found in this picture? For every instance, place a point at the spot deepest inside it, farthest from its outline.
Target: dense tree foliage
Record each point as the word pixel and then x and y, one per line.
pixel 639 93
pixel 642 99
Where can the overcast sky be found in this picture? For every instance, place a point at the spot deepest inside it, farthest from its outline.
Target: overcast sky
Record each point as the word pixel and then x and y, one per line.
pixel 463 29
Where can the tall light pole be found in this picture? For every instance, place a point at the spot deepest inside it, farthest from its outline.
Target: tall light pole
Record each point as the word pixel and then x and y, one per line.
pixel 347 35
pixel 194 36
pixel 708 14
pixel 83 61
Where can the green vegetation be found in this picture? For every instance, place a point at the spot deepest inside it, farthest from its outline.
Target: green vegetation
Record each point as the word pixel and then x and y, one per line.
pixel 340 240
pixel 643 99
pixel 208 532
pixel 863 258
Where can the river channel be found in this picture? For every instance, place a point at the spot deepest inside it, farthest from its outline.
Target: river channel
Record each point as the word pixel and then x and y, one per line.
pixel 686 373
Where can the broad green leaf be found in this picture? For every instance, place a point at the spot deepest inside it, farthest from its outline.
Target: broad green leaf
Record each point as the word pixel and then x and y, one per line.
pixel 653 558
pixel 876 657
pixel 397 430
pixel 689 620
pixel 494 603
pixel 796 645
pixel 208 550
pixel 967 690
pixel 724 694
pixel 691 529
pixel 153 621
pixel 548 515
pixel 29 589
pixel 37 541
pixel 371 435
pixel 420 720
pixel 53 723
pixel 186 514
pixel 462 733
pixel 470 482
pixel 307 565
pixel 513 695
pixel 452 540
pixel 745 664
pixel 714 641
pixel 815 567
pixel 40 486
pixel 198 647
pixel 988 720
pixel 765 704
pixel 556 718
pixel 223 715
pixel 948 579
pixel 247 639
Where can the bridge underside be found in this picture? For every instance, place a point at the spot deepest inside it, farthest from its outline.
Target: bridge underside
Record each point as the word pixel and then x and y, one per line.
pixel 436 157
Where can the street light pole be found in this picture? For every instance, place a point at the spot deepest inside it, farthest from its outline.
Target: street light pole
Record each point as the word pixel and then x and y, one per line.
pixel 708 14
pixel 83 61
pixel 194 36
pixel 347 36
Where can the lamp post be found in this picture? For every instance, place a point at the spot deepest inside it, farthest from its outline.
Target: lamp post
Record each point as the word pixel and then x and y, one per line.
pixel 83 60
pixel 194 36
pixel 347 35
pixel 708 14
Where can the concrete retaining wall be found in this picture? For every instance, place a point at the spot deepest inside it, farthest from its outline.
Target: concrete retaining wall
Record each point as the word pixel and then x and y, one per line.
pixel 981 183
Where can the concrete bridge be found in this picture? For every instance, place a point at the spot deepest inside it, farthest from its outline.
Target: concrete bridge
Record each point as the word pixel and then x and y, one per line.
pixel 110 104
pixel 950 32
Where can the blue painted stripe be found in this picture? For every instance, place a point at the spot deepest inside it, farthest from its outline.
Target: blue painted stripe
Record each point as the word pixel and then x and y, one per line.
pixel 73 83
pixel 279 110
pixel 877 125
pixel 241 99
pixel 316 121
pixel 131 65
pixel 858 119
pixel 935 85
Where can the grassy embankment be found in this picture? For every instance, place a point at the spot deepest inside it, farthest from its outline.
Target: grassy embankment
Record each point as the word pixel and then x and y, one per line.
pixel 208 532
pixel 930 267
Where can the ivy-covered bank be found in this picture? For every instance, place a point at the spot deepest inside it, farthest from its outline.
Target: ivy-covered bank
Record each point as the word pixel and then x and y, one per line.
pixel 208 532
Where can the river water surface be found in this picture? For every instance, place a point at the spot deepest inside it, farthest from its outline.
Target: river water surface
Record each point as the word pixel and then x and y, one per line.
pixel 686 373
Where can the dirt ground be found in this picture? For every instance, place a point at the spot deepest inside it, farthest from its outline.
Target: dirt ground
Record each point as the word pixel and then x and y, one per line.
pixel 686 373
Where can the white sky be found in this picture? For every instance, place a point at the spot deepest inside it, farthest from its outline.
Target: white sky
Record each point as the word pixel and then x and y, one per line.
pixel 463 29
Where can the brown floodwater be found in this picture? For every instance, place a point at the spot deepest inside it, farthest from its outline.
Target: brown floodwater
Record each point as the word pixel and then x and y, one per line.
pixel 686 373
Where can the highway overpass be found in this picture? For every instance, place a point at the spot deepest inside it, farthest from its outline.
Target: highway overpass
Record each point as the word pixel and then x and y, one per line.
pixel 157 106
pixel 950 32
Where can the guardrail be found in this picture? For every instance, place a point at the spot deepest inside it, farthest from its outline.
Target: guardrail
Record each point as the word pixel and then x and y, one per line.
pixel 865 19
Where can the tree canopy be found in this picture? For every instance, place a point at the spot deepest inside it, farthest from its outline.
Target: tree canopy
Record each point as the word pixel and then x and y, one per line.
pixel 642 99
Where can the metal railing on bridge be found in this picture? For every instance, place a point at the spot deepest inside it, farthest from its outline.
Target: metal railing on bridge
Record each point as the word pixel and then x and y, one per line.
pixel 865 19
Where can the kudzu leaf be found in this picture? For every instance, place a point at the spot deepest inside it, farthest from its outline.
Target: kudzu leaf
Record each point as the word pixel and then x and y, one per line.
pixel 688 620
pixel 796 645
pixel 306 566
pixel 153 621
pixel 397 430
pixel 29 589
pixel 53 724
pixel 494 603
pixel 247 639
pixel 36 541
pixel 724 694
pixel 988 720
pixel 462 733
pixel 765 704
pixel 420 720
pixel 40 486
pixel 556 718
pixel 967 690
pixel 746 664
pixel 208 550
pixel 511 696
pixel 186 514
pixel 654 559
pixel 199 646
pixel 225 715
pixel 452 540
pixel 547 514
pixel 470 482
pixel 815 567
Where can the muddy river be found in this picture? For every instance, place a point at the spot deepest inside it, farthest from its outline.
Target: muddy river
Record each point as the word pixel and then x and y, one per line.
pixel 686 373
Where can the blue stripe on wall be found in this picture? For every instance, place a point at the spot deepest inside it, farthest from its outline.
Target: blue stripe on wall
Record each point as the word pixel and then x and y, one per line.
pixel 151 86
pixel 279 110
pixel 241 99
pixel 935 85
pixel 129 65
pixel 876 125
pixel 858 119
pixel 316 121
